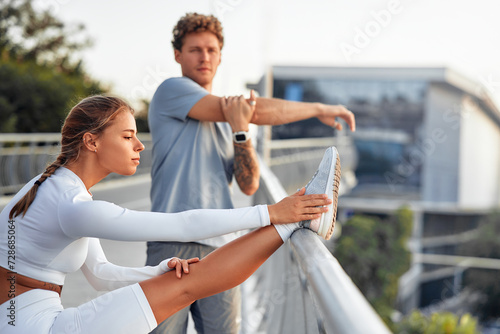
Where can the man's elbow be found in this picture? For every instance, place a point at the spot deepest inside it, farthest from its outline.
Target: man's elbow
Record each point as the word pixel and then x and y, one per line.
pixel 250 188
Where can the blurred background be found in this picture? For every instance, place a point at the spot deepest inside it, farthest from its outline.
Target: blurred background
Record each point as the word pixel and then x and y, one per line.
pixel 419 227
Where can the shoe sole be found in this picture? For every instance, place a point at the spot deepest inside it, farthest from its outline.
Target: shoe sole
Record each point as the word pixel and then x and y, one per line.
pixel 327 222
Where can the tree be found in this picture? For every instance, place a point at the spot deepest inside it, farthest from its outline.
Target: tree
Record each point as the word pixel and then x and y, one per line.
pixel 437 323
pixel 36 98
pixel 30 35
pixel 485 281
pixel 41 76
pixel 141 116
pixel 373 253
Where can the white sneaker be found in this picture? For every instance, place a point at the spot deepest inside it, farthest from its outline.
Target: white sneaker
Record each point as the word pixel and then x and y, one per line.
pixel 326 180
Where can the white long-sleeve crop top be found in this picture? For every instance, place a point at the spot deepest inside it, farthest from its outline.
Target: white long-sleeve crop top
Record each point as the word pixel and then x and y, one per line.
pixel 58 234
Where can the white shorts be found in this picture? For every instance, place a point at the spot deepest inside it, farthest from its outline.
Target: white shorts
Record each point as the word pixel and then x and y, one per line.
pixel 124 310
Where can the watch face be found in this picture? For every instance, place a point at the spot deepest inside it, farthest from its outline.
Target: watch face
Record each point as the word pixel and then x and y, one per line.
pixel 240 137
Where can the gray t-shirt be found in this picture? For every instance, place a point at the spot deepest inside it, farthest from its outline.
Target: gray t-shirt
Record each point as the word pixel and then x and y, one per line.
pixel 192 160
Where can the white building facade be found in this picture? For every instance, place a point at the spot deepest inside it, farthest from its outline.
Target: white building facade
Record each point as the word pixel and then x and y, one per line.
pixel 426 137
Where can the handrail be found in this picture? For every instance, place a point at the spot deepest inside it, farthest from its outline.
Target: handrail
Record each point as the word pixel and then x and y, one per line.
pixel 24 155
pixel 345 310
pixel 287 292
pixel 457 261
pixel 341 308
pixel 289 151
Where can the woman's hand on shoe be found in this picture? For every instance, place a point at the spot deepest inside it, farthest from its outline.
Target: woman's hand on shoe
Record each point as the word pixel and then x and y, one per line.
pixel 181 266
pixel 298 207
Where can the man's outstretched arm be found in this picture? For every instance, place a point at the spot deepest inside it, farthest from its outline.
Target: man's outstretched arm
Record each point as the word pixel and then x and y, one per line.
pixel 272 111
pixel 267 111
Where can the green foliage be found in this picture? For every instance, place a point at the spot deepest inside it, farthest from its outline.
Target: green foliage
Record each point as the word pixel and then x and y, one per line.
pixel 141 117
pixel 36 98
pixel 30 35
pixel 484 281
pixel 437 323
pixel 373 253
pixel 487 243
pixel 40 75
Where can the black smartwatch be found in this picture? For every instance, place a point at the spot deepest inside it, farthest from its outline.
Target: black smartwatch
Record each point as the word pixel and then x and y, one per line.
pixel 241 136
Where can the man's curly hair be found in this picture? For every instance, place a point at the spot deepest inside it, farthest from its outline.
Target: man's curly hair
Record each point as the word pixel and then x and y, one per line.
pixel 194 22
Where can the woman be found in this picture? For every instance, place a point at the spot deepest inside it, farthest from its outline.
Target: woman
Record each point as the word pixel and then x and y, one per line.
pixel 52 226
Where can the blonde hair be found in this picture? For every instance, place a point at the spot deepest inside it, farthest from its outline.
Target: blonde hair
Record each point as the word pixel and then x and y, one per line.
pixel 92 114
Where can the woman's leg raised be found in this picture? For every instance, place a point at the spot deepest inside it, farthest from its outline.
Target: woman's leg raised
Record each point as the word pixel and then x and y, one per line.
pixel 224 268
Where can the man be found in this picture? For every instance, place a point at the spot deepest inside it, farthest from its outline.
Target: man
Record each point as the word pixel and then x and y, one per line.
pixel 199 142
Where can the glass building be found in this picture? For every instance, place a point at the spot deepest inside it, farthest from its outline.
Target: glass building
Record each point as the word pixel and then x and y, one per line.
pixel 389 117
pixel 426 137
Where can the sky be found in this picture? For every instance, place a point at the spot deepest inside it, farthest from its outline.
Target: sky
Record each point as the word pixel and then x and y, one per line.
pixel 132 52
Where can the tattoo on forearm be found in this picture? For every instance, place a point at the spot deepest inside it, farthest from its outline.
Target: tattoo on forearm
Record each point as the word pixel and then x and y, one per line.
pixel 246 166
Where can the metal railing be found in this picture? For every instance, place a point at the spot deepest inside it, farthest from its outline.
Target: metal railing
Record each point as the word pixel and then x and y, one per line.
pixel 287 151
pixel 319 298
pixel 301 289
pixel 23 156
pixel 292 159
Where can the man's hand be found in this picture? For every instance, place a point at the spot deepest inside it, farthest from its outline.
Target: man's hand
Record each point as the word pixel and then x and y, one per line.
pixel 237 111
pixel 331 112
